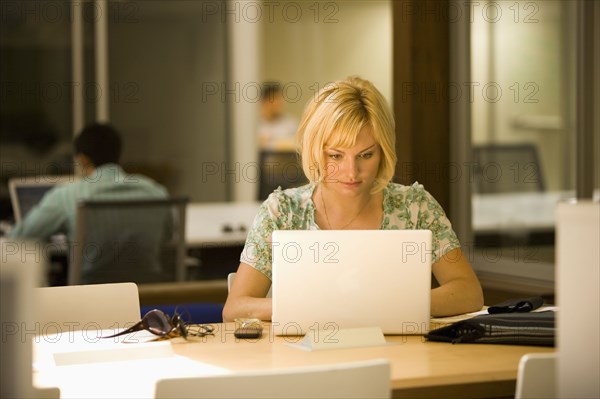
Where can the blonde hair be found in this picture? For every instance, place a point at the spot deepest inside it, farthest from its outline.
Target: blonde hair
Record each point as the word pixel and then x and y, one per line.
pixel 336 116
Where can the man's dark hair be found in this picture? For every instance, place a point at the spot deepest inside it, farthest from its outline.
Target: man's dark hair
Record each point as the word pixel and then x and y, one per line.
pixel 99 142
pixel 269 89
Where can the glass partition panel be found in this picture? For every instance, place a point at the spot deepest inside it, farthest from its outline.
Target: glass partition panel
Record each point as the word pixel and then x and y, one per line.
pixel 523 132
pixel 37 91
pixel 163 58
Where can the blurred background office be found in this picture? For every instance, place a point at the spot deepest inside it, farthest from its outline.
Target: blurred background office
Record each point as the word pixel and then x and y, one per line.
pixel 484 95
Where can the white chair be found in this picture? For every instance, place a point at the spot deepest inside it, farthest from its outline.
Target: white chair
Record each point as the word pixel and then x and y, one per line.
pixel 20 272
pixel 94 306
pixel 231 278
pixel 578 294
pixel 536 377
pixel 365 379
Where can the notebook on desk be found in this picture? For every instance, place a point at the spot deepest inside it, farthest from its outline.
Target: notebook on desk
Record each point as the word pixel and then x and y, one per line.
pixel 327 280
pixel 27 192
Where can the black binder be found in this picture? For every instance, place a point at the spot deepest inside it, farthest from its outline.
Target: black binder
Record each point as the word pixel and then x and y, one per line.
pixel 517 326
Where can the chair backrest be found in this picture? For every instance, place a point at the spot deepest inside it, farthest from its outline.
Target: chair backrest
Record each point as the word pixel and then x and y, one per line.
pixel 279 168
pixel 365 379
pixel 81 307
pixel 231 278
pixel 536 377
pixel 501 168
pixel 139 240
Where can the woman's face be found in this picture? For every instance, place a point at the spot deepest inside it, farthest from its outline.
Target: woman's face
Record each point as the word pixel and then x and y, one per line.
pixel 352 171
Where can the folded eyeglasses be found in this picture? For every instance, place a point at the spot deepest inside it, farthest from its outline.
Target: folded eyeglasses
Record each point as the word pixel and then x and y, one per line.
pixel 159 323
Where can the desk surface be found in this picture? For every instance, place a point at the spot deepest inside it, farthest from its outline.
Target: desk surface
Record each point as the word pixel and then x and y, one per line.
pixel 416 365
pixel 415 362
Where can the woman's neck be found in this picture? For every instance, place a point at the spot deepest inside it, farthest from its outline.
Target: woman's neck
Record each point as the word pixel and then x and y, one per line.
pixel 338 212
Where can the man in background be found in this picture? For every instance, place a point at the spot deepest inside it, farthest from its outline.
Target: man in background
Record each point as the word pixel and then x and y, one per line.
pixel 97 152
pixel 276 129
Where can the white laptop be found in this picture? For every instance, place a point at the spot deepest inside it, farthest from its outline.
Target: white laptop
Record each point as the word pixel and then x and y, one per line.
pixel 328 280
pixel 27 192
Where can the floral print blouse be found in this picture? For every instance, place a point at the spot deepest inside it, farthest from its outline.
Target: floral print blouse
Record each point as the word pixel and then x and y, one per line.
pixel 404 207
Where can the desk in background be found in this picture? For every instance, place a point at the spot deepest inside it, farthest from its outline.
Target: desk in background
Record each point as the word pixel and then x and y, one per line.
pixel 418 368
pixel 215 233
pixel 513 254
pixel 509 212
pixel 492 213
pixel 516 219
pixel 519 214
pixel 219 223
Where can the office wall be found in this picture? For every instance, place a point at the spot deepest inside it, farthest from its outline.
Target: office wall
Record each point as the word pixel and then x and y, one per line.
pixel 327 42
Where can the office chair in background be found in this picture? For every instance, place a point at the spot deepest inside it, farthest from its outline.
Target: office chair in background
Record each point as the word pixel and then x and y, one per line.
pixel 503 168
pixel 279 168
pixel 138 240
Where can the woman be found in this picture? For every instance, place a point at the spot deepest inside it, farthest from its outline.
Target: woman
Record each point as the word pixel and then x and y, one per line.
pixel 346 141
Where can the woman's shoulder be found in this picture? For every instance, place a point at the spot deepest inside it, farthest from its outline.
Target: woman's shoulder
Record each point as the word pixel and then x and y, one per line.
pixel 399 195
pixel 289 201
pixel 298 195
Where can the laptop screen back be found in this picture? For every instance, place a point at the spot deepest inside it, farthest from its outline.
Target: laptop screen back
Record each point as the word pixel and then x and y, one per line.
pixel 25 193
pixel 330 279
pixel 30 196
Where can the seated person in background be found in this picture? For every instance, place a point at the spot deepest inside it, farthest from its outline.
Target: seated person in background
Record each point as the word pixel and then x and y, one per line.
pixel 97 151
pixel 117 246
pixel 347 142
pixel 276 129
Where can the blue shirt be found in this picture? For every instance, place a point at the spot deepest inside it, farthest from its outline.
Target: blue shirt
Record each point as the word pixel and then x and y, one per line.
pixel 57 211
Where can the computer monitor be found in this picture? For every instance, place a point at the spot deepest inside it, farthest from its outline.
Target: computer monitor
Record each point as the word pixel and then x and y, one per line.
pixel 27 192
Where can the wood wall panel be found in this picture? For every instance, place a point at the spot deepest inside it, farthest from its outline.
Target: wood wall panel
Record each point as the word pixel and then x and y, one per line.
pixel 421 107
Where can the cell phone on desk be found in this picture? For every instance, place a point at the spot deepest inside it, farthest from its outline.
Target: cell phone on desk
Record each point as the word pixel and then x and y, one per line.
pixel 248 332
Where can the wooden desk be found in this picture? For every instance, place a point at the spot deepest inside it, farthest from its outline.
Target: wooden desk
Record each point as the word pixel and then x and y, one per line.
pixel 418 368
